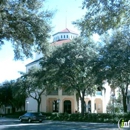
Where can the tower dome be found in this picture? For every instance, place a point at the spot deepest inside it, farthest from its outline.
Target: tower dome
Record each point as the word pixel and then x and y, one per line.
pixel 64 34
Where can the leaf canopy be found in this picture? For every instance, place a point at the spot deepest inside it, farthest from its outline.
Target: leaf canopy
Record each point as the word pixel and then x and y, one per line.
pixel 26 24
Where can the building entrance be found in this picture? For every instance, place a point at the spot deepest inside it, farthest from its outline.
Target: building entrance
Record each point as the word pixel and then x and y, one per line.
pixel 67 106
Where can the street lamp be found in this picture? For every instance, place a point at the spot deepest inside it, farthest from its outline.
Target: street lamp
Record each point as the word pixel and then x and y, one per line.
pixel 27 102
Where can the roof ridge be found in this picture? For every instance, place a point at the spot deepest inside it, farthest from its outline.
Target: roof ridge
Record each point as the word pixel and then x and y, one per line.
pixel 68 29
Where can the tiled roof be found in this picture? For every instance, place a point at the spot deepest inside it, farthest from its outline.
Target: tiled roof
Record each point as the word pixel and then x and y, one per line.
pixel 66 30
pixel 58 43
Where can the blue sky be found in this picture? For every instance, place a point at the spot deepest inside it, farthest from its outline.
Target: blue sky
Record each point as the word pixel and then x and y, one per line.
pixel 70 9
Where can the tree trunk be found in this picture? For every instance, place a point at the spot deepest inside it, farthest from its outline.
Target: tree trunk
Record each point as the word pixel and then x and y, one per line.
pixel 82 106
pixel 124 100
pixel 38 105
pixel 13 109
pixel 81 96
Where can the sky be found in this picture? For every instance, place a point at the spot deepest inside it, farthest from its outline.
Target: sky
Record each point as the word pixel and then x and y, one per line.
pixel 66 11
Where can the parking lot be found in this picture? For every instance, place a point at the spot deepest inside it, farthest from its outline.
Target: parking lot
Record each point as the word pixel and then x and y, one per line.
pixel 15 124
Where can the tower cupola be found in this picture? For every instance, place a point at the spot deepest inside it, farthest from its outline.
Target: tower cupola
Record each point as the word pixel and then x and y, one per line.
pixel 64 35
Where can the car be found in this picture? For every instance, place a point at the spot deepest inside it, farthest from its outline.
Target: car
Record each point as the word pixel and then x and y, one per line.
pixel 32 116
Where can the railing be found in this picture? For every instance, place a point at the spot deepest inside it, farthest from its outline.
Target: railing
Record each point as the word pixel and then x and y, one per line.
pixel 54 92
pixel 99 93
pixel 67 93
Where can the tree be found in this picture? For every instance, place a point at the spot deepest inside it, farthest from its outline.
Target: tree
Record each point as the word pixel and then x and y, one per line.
pixel 114 62
pixel 71 67
pixel 19 95
pixel 5 95
pixel 103 15
pixel 35 81
pixel 11 94
pixel 26 24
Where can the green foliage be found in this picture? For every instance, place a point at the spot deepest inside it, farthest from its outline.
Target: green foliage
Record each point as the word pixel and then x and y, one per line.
pixel 90 117
pixel 115 105
pixel 113 64
pixel 12 95
pixel 71 67
pixel 103 15
pixel 26 24
pixel 36 82
pixel 14 114
pixel 19 95
pixel 6 95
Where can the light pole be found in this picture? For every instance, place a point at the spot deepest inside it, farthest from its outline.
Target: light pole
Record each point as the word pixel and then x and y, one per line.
pixel 27 102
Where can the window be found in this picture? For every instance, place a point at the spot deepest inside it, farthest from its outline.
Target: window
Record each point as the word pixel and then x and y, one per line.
pixel 95 106
pixel 55 106
pixel 61 36
pixel 67 36
pixel 64 36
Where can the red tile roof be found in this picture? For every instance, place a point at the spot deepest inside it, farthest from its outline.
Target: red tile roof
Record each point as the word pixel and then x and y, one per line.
pixel 66 30
pixel 58 43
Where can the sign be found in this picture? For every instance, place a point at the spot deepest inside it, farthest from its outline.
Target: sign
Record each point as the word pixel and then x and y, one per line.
pixel 123 124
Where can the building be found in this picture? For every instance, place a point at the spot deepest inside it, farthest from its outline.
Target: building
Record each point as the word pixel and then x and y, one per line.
pixel 61 101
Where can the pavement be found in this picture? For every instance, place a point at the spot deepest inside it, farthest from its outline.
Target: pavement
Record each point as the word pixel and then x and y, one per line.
pixel 15 124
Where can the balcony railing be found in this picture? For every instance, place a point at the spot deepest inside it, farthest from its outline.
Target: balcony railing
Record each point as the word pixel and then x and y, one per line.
pixel 99 93
pixel 67 93
pixel 54 92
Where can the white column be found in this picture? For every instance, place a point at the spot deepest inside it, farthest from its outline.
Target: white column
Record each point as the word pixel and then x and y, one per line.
pixel 60 106
pixel 60 101
pixel 79 105
pixel 92 105
pixel 104 102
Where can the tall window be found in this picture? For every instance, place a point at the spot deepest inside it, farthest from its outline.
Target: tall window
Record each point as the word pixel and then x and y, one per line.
pixel 95 106
pixel 55 106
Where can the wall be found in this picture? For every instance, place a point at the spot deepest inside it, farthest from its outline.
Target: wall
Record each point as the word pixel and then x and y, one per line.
pixel 60 36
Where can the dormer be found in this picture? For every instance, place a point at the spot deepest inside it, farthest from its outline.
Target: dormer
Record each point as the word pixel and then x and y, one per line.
pixel 64 35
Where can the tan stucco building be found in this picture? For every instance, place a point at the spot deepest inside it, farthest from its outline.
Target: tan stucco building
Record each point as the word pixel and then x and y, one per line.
pixel 59 100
